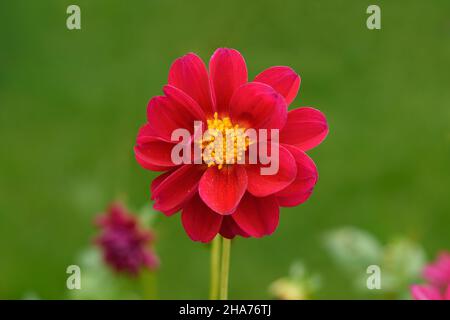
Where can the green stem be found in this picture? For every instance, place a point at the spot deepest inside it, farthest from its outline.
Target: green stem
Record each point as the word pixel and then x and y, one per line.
pixel 225 269
pixel 215 268
pixel 149 289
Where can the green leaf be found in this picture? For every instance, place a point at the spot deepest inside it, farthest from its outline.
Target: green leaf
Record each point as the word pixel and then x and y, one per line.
pixel 353 249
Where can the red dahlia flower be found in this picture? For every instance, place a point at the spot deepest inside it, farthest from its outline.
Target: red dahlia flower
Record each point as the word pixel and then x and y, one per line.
pixel 124 244
pixel 230 199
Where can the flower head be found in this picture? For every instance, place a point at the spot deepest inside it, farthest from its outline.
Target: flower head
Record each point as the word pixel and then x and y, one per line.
pixel 220 192
pixel 124 244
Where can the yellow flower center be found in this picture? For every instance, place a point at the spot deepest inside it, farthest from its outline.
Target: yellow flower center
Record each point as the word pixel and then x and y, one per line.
pixel 223 142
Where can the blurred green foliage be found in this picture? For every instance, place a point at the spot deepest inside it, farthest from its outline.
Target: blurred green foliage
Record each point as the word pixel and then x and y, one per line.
pixel 98 282
pixel 299 284
pixel 399 262
pixel 71 103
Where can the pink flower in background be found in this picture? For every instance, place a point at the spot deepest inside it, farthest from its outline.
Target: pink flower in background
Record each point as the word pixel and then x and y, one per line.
pixel 125 246
pixel 438 276
pixel 438 272
pixel 429 292
pixel 229 199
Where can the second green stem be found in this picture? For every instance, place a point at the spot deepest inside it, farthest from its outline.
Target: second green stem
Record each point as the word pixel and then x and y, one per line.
pixel 225 268
pixel 215 268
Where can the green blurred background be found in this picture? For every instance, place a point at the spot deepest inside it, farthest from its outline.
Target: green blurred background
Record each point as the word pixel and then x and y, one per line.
pixel 71 103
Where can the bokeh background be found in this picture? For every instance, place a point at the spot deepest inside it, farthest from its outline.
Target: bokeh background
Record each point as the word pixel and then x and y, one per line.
pixel 71 103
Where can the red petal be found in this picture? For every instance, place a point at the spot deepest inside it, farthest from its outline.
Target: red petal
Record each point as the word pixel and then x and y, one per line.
pixel 188 73
pixel 294 200
pixel 145 134
pixel 257 105
pixel 305 128
pixel 171 193
pixel 154 153
pixel 257 216
pixel 174 111
pixel 199 221
pixel 301 188
pixel 230 229
pixel 157 181
pixel 228 72
pixel 263 185
pixel 283 79
pixel 222 189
